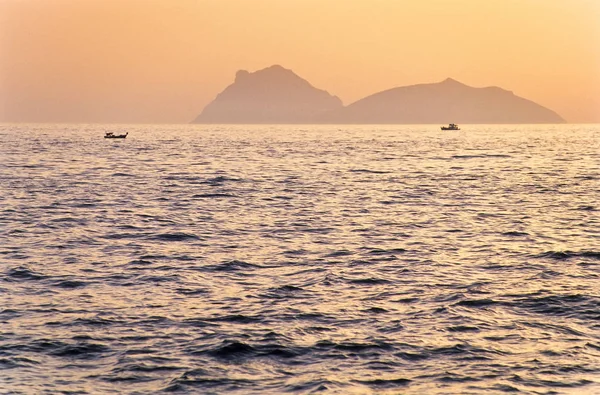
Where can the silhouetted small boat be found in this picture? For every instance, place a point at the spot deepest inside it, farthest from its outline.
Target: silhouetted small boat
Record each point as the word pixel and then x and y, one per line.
pixel 111 135
pixel 452 126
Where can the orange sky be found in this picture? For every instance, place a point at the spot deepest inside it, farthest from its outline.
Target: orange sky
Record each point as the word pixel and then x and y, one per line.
pixel 163 60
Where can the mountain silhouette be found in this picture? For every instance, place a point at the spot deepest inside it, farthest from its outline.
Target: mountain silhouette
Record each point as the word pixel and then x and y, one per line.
pixel 270 95
pixel 443 102
pixel 278 95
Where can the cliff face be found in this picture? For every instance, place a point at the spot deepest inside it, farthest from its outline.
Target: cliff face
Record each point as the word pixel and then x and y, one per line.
pixel 271 95
pixel 443 102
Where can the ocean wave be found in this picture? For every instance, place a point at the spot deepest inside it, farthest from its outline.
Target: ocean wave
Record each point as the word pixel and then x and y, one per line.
pixel 568 305
pixel 69 284
pixel 175 236
pixel 212 195
pixel 231 266
pixel 385 383
pixel 368 281
pixel 565 255
pixel 370 171
pixel 23 273
pixel 220 180
pixel 480 156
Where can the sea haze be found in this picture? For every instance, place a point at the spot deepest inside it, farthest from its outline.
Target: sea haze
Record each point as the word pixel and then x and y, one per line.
pixel 300 259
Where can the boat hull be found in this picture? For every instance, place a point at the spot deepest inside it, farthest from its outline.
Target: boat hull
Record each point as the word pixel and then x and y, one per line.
pixel 111 135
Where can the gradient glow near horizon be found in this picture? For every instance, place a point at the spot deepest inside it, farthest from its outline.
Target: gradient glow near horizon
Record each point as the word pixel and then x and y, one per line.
pixel 161 61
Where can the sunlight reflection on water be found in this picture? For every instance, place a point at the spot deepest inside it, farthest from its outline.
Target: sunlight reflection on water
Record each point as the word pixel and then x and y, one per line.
pixel 269 259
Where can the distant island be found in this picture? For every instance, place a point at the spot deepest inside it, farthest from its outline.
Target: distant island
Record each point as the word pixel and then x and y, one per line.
pixel 278 95
pixel 271 95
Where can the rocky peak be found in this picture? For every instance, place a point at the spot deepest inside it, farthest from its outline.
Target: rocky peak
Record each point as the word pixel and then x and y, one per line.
pixel 271 95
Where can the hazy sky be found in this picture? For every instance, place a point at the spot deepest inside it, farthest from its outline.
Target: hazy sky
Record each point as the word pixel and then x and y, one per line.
pixel 164 60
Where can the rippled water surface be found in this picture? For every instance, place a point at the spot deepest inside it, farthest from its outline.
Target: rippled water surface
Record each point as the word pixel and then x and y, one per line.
pixel 300 259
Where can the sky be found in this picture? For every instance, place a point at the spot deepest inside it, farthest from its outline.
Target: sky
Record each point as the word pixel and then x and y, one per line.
pixel 162 61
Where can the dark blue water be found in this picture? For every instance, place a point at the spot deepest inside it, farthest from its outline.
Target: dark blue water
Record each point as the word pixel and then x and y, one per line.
pixel 284 259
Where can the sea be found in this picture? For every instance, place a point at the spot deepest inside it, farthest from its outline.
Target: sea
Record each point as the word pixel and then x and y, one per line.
pixel 299 259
